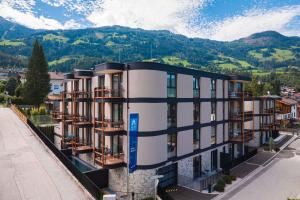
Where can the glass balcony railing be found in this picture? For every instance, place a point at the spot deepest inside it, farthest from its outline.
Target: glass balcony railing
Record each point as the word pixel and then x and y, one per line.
pixel 171 92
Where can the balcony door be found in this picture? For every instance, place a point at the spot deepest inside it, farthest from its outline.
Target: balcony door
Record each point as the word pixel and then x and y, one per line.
pixel 117 112
pixel 197 165
pixel 116 84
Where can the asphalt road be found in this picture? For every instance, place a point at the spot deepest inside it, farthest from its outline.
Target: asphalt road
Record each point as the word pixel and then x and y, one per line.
pixel 278 181
pixel 27 169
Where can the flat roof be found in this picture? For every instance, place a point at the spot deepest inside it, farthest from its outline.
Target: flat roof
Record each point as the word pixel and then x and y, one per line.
pixel 167 68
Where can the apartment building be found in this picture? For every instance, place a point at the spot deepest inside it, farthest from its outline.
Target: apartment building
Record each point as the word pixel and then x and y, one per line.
pixel 186 119
pixel 263 124
pixel 287 109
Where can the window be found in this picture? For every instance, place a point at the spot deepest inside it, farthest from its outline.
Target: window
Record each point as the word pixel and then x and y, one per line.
pixel 213 135
pixel 172 145
pixel 213 88
pixel 214 160
pixel 172 115
pixel 171 85
pixel 197 166
pixel 116 85
pixel 213 111
pixel 117 113
pixel 197 112
pixel 196 139
pixel 196 87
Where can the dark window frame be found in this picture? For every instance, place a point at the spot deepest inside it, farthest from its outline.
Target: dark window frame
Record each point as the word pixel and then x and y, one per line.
pixel 171 85
pixel 172 115
pixel 196 87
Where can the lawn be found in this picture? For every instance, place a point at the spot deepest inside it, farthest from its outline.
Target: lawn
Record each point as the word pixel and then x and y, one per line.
pixel 173 60
pixel 11 43
pixel 57 38
pixel 59 61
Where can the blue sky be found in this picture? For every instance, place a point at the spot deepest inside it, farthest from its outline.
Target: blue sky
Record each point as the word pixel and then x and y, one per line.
pixel 223 20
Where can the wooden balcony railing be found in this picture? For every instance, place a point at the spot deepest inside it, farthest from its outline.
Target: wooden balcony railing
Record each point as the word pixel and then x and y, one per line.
pixel 108 93
pixel 82 94
pixel 107 159
pixel 108 125
pixel 246 136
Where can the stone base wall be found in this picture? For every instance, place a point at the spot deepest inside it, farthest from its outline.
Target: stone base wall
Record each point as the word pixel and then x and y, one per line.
pixel 185 170
pixel 140 182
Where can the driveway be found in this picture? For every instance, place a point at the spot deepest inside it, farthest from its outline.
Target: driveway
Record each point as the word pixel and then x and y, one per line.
pixel 277 181
pixel 27 168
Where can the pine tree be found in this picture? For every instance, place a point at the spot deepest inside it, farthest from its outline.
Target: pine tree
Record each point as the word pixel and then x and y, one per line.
pixel 37 84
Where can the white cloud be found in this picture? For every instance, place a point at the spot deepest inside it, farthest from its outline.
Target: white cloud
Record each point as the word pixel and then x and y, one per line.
pixel 173 15
pixel 28 19
pixel 251 22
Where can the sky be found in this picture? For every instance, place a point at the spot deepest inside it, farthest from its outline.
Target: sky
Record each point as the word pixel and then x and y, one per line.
pixel 223 20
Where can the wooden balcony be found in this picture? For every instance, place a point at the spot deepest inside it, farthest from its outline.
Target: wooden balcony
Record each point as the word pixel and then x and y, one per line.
pixel 82 95
pixel 81 121
pixel 107 160
pixel 108 126
pixel 107 93
pixel 57 116
pixel 239 94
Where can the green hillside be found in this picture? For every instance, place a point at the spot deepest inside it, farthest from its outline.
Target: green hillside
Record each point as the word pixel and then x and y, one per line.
pixel 259 53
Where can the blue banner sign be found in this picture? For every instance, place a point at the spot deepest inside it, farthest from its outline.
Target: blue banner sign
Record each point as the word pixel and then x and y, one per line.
pixel 133 133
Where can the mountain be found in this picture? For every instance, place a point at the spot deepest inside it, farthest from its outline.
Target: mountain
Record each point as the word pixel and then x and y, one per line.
pixel 83 48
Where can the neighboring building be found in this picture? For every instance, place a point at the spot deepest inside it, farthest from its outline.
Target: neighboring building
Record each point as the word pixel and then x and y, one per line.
pixel 187 118
pixel 287 109
pixel 56 84
pixel 264 124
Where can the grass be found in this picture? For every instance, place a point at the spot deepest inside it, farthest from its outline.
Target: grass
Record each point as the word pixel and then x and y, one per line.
pixel 11 43
pixel 52 37
pixel 173 60
pixel 279 55
pixel 228 66
pixel 79 41
pixel 59 61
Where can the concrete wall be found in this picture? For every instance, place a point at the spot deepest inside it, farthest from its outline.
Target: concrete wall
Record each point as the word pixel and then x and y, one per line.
pixel 184 86
pixel 184 142
pixel 205 87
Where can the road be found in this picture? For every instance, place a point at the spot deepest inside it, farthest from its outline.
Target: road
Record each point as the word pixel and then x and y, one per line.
pixel 27 169
pixel 278 181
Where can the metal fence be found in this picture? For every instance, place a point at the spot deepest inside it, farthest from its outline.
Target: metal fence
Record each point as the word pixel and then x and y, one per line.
pixel 200 183
pixel 90 186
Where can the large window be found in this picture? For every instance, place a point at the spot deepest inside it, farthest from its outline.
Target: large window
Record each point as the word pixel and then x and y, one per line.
pixel 213 88
pixel 172 145
pixel 116 85
pixel 196 139
pixel 196 87
pixel 117 114
pixel 213 111
pixel 213 135
pixel 214 160
pixel 197 166
pixel 171 85
pixel 172 115
pixel 196 112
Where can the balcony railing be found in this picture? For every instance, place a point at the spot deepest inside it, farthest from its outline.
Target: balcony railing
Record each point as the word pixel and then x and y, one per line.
pixel 82 94
pixel 107 159
pixel 108 93
pixel 56 115
pixel 108 125
pixel 81 120
pixel 239 94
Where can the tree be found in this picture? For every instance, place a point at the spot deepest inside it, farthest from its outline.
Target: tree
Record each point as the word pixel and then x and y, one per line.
pixel 11 86
pixel 37 84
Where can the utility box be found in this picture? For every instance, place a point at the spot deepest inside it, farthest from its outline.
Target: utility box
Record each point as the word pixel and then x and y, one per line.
pixel 109 197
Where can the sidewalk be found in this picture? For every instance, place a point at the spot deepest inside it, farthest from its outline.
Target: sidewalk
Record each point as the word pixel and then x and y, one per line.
pixel 251 168
pixel 27 169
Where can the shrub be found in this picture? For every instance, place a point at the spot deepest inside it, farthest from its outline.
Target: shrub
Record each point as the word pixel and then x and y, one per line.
pixel 219 187
pixel 233 177
pixel 221 182
pixel 34 111
pixel 2 98
pixel 42 110
pixel 227 179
